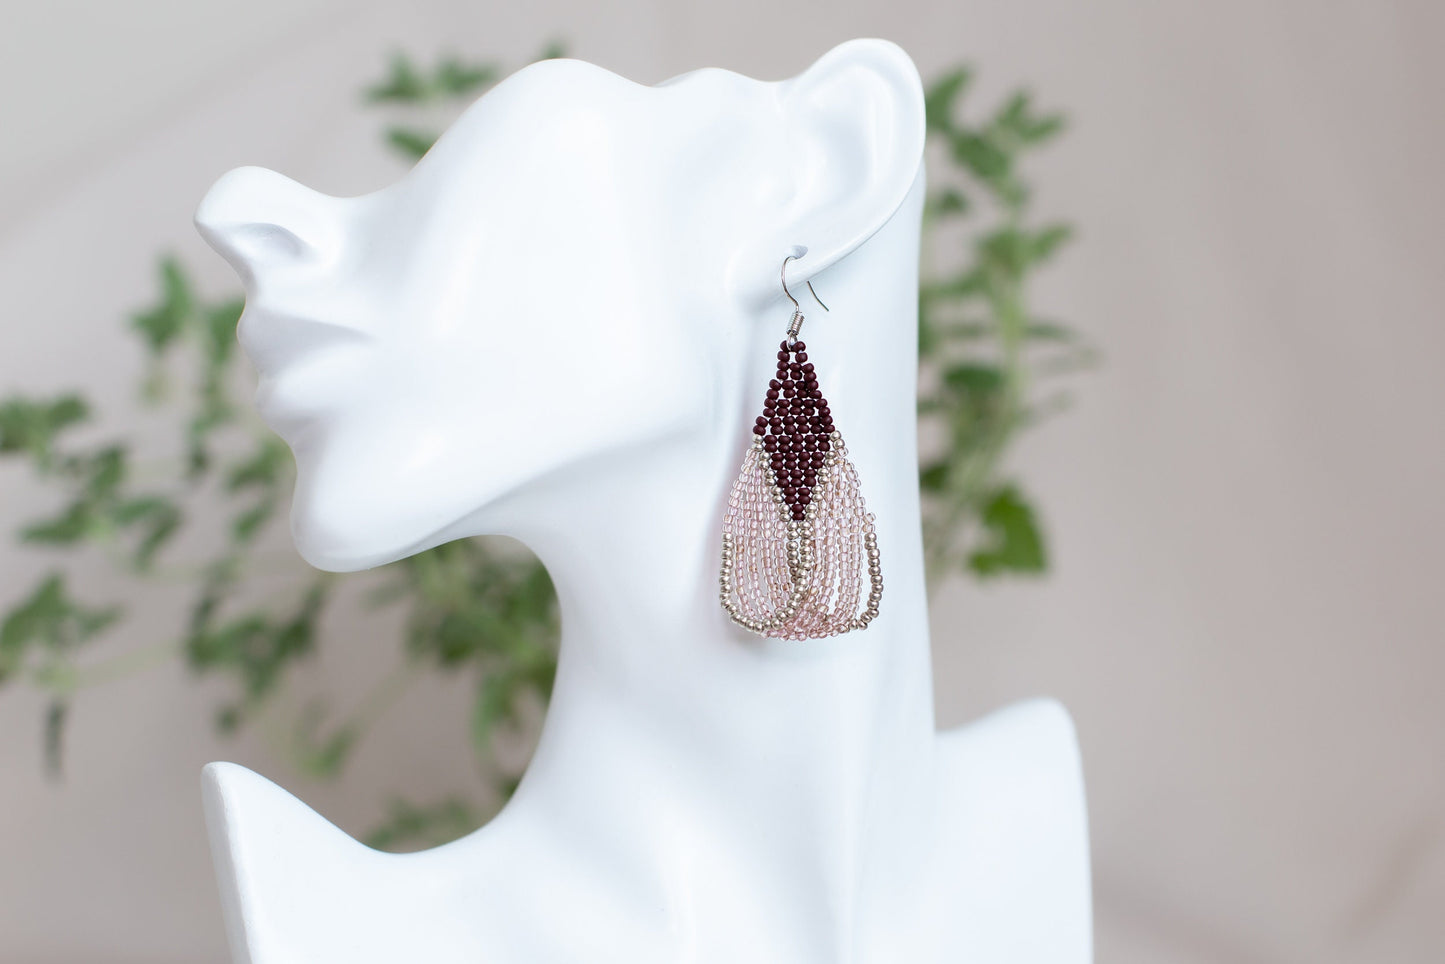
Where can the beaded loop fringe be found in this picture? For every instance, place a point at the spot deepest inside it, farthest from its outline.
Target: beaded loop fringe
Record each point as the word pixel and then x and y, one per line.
pixel 796 533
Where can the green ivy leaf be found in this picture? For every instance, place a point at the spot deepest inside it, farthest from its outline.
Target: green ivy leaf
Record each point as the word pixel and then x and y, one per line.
pixel 103 472
pixel 1011 538
pixel 219 323
pixel 949 202
pixel 977 378
pixel 254 647
pixel 404 84
pixel 1039 330
pixel 163 324
pixel 940 103
pixel 1044 242
pixel 1013 116
pixel 73 525
pixel 1037 130
pixel 32 427
pixel 1017 123
pixel 157 529
pixel 1007 251
pixel 412 827
pixel 982 157
pixel 248 524
pixel 457 79
pixel 323 758
pixel 264 470
pixel 50 620
pixel 960 287
pixel 410 142
pixel 933 478
pixel 156 517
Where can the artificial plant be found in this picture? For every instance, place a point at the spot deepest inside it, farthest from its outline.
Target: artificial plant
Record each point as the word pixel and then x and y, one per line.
pixel 481 607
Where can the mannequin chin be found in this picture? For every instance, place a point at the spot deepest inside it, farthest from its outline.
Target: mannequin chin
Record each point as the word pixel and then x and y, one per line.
pixel 398 333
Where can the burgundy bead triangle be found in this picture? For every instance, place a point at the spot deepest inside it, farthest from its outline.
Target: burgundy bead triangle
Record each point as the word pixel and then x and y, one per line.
pixel 795 426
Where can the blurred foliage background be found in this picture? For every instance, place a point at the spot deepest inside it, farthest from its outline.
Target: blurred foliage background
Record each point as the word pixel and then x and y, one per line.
pixel 483 607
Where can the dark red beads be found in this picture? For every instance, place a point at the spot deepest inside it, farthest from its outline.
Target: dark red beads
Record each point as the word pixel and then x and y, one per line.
pixel 795 426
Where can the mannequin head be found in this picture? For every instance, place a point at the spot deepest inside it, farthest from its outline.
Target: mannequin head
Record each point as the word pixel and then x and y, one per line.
pixel 573 270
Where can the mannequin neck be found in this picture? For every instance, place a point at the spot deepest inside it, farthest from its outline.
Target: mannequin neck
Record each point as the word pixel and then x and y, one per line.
pixel 808 753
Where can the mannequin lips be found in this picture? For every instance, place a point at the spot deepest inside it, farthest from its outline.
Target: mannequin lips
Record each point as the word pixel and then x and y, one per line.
pixel 275 341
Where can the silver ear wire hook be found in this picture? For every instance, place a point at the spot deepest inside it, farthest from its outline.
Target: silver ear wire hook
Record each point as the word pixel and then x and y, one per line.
pixel 796 325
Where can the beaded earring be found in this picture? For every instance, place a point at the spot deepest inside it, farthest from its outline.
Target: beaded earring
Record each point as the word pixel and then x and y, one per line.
pixel 796 533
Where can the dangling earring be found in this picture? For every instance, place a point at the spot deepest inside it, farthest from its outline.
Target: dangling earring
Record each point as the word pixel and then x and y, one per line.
pixel 796 534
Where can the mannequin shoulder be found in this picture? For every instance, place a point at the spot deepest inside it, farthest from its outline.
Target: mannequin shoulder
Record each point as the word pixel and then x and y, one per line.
pixel 1016 829
pixel 296 888
pixel 1033 739
pixel 1018 768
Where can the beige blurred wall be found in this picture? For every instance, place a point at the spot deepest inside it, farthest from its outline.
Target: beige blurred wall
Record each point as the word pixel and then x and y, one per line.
pixel 1244 503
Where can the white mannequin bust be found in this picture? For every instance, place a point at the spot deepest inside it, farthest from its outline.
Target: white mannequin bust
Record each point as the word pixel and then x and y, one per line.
pixel 559 327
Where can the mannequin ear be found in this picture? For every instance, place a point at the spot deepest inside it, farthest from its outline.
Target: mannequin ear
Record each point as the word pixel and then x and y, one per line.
pixel 853 134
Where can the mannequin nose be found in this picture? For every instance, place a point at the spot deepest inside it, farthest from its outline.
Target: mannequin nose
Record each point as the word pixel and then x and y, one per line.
pixel 254 218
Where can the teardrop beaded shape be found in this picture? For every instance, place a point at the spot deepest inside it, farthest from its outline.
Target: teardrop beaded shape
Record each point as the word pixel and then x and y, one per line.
pixel 797 537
